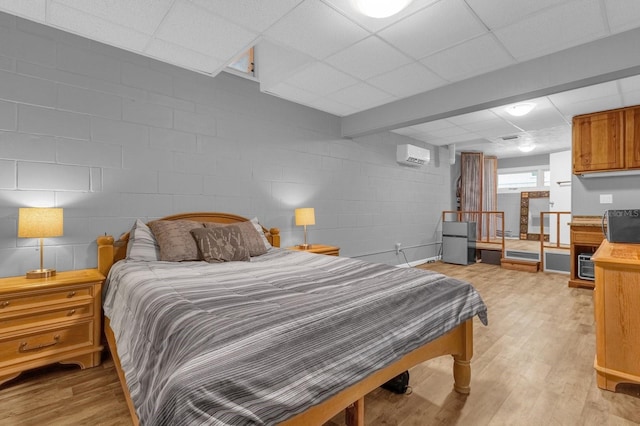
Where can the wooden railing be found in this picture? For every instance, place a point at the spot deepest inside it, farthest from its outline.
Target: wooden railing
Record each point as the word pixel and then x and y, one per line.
pixel 557 244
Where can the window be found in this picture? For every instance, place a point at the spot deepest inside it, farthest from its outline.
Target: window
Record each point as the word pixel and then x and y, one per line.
pixel 527 179
pixel 520 178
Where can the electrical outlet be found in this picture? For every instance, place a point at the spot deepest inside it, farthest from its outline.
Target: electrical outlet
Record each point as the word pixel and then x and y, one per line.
pixel 397 248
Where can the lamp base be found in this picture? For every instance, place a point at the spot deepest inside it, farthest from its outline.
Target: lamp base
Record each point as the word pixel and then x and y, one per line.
pixel 41 273
pixel 304 246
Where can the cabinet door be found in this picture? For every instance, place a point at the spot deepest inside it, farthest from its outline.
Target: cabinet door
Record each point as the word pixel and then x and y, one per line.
pixel 632 137
pixel 598 142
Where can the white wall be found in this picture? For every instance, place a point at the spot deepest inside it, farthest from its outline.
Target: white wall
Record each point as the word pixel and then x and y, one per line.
pixel 111 136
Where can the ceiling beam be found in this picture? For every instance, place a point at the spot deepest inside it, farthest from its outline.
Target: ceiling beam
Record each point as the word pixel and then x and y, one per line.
pixel 596 62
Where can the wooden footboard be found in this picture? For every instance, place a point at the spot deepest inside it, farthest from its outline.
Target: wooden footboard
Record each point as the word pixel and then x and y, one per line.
pixel 458 343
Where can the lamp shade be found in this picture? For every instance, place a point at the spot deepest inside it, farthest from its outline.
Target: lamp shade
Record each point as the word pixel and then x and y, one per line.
pixel 305 216
pixel 34 222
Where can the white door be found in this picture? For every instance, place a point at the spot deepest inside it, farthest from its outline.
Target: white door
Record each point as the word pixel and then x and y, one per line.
pixel 560 194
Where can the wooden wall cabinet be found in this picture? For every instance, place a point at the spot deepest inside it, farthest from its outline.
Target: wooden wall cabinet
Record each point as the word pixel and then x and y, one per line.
pixel 617 312
pixel 606 141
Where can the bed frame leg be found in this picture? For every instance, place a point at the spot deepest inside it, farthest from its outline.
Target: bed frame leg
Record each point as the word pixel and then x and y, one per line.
pixel 354 413
pixel 461 375
pixel 462 361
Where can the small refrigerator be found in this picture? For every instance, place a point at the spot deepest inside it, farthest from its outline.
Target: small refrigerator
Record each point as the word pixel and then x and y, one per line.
pixel 459 242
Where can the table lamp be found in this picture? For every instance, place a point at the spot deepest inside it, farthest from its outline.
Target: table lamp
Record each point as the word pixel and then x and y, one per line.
pixel 34 222
pixel 305 216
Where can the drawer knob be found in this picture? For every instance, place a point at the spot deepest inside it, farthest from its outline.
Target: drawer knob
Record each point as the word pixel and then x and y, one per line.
pixel 4 304
pixel 71 294
pixel 23 346
pixel 71 312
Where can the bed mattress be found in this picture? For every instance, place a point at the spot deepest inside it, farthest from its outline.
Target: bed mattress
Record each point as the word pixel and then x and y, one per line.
pixel 242 343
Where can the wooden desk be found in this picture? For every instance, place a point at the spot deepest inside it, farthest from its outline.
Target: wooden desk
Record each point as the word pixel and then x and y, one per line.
pixel 586 236
pixel 617 312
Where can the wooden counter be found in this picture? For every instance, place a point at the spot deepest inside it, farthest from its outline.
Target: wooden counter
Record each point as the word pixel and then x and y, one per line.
pixel 586 236
pixel 617 313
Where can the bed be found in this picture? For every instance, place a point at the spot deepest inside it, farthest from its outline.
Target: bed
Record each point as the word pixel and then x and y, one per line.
pixel 287 338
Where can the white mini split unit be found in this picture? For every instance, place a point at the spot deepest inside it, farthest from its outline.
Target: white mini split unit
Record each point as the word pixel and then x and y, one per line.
pixel 412 155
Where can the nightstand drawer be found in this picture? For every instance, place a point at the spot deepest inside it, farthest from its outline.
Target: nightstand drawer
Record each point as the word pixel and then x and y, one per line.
pixel 18 319
pixel 46 299
pixel 44 343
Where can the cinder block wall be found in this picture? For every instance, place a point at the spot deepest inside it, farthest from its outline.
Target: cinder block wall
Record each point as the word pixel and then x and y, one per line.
pixel 111 136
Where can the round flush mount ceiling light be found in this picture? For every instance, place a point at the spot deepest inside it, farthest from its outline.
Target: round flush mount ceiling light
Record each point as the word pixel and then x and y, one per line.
pixel 526 147
pixel 380 8
pixel 518 110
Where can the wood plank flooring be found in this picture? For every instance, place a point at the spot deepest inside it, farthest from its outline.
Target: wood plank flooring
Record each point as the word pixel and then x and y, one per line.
pixel 533 365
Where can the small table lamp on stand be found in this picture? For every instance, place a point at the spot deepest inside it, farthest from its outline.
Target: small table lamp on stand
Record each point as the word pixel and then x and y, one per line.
pixel 40 223
pixel 305 216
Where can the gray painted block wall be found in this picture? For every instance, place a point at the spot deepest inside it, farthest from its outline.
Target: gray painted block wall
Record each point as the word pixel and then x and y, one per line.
pixel 111 136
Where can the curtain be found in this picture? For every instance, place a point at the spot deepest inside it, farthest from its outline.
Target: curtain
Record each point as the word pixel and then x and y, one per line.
pixel 471 176
pixel 490 197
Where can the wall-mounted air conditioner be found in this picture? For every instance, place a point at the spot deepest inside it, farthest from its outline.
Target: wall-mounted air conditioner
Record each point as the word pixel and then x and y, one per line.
pixel 412 155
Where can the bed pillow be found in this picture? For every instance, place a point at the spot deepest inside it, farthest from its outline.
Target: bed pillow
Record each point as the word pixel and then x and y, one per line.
pixel 251 237
pixel 142 244
pixel 221 244
pixel 258 227
pixel 175 239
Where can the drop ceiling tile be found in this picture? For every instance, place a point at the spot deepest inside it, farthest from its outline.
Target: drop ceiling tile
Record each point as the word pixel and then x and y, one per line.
pixel 432 126
pixel 554 29
pixel 406 131
pixel 361 96
pixel 631 98
pixel 448 132
pixel 332 107
pixel 293 94
pixel 199 30
pixel 316 29
pixel 500 13
pixel 564 100
pixel 492 129
pixel 34 10
pixel 95 28
pixel 591 105
pixel 185 58
pixel 470 58
pixel 141 15
pixel 407 80
pixel 623 14
pixel 539 120
pixel 255 15
pixel 431 30
pixel 473 117
pixel 321 78
pixel 629 84
pixel 368 58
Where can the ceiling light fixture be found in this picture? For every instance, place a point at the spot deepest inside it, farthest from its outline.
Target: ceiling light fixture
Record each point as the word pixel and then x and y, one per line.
pixel 380 8
pixel 518 110
pixel 527 147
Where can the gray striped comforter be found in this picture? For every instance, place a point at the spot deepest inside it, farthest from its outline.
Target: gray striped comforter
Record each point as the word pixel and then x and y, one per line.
pixel 243 343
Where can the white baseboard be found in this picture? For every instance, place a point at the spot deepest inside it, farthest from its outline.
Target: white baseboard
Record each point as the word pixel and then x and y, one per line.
pixel 419 262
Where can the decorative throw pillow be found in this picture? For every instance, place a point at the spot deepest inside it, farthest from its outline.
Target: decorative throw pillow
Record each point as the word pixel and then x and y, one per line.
pixel 222 244
pixel 251 237
pixel 142 244
pixel 175 240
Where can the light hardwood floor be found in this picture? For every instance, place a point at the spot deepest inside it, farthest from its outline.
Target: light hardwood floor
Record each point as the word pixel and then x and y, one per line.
pixel 533 365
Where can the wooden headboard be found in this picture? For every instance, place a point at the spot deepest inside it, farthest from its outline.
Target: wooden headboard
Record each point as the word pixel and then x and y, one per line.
pixel 110 251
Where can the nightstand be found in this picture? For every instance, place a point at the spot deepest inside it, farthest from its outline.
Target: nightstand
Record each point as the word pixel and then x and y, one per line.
pixel 319 249
pixel 48 320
